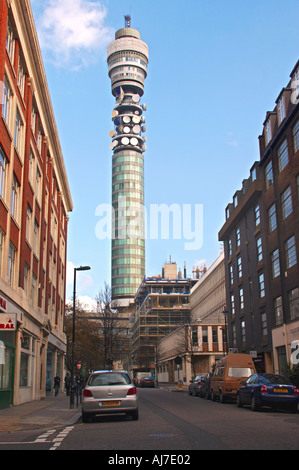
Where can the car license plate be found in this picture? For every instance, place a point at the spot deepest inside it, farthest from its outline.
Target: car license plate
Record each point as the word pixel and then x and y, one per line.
pixel 281 390
pixel 109 403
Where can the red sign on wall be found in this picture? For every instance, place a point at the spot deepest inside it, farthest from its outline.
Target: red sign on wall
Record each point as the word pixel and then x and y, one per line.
pixel 8 321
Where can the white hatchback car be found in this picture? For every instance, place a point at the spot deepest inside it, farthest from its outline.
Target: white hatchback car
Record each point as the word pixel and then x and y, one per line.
pixel 109 392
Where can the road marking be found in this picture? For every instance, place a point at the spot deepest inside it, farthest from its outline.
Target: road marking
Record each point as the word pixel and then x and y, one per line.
pixel 60 437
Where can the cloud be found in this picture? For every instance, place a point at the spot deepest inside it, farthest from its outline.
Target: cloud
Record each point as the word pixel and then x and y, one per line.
pixel 72 32
pixel 86 302
pixel 83 278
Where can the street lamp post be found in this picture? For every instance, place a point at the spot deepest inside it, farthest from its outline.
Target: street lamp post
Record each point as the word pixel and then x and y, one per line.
pixel 72 391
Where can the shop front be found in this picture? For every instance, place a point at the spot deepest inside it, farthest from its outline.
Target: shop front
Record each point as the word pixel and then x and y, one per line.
pixel 7 358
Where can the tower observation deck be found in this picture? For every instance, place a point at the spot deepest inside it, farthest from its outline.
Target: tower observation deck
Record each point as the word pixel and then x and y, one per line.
pixel 127 58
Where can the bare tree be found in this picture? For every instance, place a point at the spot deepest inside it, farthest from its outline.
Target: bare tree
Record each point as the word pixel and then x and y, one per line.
pixel 111 327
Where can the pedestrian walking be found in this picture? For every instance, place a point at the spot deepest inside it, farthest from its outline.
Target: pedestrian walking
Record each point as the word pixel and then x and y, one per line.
pixel 67 384
pixel 56 384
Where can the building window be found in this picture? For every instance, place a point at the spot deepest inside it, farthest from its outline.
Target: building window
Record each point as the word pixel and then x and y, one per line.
pixel 231 274
pixel 272 218
pixel 241 297
pixel 3 163
pixel 28 224
pixel 205 334
pixel 215 335
pixel 296 136
pixel 26 278
pixel 2 235
pixel 21 77
pixel 14 197
pixel 286 202
pixel 269 174
pixel 275 263
pixel 259 249
pixel 281 110
pixel 33 289
pixel 243 331
pixel 194 335
pixel 262 285
pixel 294 303
pixel 230 251
pixel 283 156
pixel 268 131
pixel 18 132
pixel 238 237
pixel 290 252
pixel 264 324
pixel 232 304
pixel 11 263
pixel 257 215
pixel 278 312
pixel 6 102
pixel 239 261
pixel 10 42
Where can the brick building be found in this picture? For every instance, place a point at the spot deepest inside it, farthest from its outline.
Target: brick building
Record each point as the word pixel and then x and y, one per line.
pixel 261 242
pixel 34 203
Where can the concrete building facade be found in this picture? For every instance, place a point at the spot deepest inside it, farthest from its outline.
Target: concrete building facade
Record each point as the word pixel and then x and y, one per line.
pixel 35 200
pixel 194 348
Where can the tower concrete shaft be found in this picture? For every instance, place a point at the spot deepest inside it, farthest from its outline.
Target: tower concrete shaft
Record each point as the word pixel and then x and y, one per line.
pixel 127 58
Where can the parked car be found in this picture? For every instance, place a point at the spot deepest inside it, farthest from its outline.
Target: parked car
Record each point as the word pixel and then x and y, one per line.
pixel 147 382
pixel 268 390
pixel 230 370
pixel 204 389
pixel 109 392
pixel 195 385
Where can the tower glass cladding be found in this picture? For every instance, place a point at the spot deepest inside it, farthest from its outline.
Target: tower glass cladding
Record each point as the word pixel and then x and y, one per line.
pixel 127 58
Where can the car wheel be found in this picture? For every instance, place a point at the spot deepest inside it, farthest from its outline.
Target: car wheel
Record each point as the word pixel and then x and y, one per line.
pixel 221 398
pixel 85 417
pixel 135 415
pixel 213 397
pixel 254 405
pixel 239 404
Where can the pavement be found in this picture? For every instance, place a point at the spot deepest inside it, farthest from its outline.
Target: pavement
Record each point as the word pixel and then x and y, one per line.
pixel 51 412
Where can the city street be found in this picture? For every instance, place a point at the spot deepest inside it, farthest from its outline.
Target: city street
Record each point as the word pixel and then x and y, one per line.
pixel 169 421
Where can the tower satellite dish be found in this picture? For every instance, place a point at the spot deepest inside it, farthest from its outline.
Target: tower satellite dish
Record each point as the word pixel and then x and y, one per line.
pixel 112 134
pixel 136 129
pixel 114 113
pixel 134 141
pixel 125 141
pixel 127 130
pixel 126 119
pixel 143 128
pixel 144 107
pixel 136 119
pixel 136 98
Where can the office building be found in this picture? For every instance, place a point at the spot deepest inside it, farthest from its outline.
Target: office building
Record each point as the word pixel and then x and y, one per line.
pixel 261 242
pixel 35 200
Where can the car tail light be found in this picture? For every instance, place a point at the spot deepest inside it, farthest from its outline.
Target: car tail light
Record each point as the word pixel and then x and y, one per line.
pixel 132 391
pixel 264 389
pixel 87 393
pixel 296 391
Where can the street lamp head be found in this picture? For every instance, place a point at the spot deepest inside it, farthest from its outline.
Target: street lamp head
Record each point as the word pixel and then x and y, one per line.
pixel 83 268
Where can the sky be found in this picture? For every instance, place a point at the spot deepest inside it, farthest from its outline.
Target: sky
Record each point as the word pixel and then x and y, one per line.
pixel 215 68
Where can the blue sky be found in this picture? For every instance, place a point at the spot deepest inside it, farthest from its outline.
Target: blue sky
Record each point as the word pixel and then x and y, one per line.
pixel 215 69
